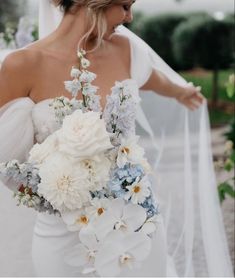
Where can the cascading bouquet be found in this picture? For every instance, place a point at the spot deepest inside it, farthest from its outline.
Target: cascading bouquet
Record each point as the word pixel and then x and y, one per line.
pixel 93 174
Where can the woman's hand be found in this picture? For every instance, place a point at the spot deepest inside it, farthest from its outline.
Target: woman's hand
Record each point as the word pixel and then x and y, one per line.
pixel 191 97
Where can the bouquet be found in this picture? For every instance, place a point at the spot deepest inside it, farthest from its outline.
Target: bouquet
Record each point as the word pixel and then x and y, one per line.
pixel 93 174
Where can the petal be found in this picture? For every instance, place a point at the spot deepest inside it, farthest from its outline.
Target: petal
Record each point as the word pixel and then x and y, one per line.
pixel 77 256
pixel 134 216
pixel 107 259
pixel 138 244
pixel 149 228
pixel 104 224
pixel 88 238
pixel 70 217
pixel 116 207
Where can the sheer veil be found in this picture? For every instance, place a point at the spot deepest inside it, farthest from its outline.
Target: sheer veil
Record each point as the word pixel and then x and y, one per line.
pixel 180 151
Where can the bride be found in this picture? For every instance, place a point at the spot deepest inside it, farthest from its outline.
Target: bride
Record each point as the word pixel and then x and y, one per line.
pixel 31 77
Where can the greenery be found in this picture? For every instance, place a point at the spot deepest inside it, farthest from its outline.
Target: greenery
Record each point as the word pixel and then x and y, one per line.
pixel 11 11
pixel 227 164
pixel 204 43
pixel 224 112
pixel 158 32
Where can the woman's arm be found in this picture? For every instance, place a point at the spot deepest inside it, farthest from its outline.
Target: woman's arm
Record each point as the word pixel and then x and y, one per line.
pixel 188 95
pixel 16 75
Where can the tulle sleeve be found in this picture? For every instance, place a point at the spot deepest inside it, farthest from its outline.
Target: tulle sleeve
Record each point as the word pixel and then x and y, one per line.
pixel 141 64
pixel 16 132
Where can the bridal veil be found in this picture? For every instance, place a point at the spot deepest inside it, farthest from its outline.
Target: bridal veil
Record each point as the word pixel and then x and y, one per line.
pixel 180 152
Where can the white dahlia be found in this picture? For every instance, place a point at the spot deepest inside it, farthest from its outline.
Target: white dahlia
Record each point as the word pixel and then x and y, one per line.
pixel 63 183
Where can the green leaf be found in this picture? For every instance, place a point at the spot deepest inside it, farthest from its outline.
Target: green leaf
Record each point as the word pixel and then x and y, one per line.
pixel 225 189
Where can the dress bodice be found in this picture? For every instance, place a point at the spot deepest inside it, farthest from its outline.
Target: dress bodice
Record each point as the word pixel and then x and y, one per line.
pixel 44 120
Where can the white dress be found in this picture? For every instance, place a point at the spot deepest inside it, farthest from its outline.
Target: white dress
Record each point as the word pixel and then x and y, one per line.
pixel 196 242
pixel 52 239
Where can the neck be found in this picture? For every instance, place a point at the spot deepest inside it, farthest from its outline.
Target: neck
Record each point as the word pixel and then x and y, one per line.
pixel 70 31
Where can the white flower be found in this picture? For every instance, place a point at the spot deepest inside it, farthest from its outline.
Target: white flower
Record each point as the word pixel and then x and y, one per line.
pixel 40 152
pixel 73 86
pixel 130 151
pixel 83 254
pixel 87 76
pixel 98 207
pixel 98 168
pixel 77 219
pixel 75 72
pixel 89 89
pixel 85 63
pixel 84 135
pixel 120 251
pixel 63 183
pixel 138 191
pixel 121 216
pixel 81 53
pixel 150 225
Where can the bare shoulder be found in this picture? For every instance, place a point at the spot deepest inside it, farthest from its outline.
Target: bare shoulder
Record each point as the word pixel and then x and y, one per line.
pixel 123 45
pixel 22 60
pixel 16 74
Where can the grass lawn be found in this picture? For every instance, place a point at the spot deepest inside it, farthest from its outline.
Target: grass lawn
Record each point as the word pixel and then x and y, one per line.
pixel 225 111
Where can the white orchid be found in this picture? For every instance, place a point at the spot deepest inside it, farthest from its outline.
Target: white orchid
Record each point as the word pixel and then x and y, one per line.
pixel 138 191
pixel 83 254
pixel 120 216
pixel 63 183
pixel 130 151
pixel 150 226
pixel 120 251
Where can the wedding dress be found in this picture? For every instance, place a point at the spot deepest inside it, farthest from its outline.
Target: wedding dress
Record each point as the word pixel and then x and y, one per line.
pixel 190 240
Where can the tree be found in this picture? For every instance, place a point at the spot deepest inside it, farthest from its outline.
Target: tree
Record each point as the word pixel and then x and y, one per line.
pixel 10 11
pixel 157 31
pixel 204 43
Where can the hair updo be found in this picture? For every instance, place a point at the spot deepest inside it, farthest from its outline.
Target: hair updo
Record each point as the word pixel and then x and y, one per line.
pixel 95 15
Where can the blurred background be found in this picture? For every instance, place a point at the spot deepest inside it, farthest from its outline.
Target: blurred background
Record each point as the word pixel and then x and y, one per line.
pixel 197 39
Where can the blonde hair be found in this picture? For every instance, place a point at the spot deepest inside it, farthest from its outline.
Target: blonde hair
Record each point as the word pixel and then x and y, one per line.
pixel 95 16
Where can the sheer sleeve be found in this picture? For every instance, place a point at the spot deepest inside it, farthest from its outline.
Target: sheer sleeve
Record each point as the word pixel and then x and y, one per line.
pixel 141 64
pixel 16 132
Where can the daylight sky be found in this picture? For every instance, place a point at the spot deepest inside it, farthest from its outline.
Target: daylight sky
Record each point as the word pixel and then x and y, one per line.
pixel 162 6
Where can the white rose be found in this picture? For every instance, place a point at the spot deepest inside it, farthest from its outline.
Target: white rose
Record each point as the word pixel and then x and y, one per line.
pixel 40 152
pixel 83 135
